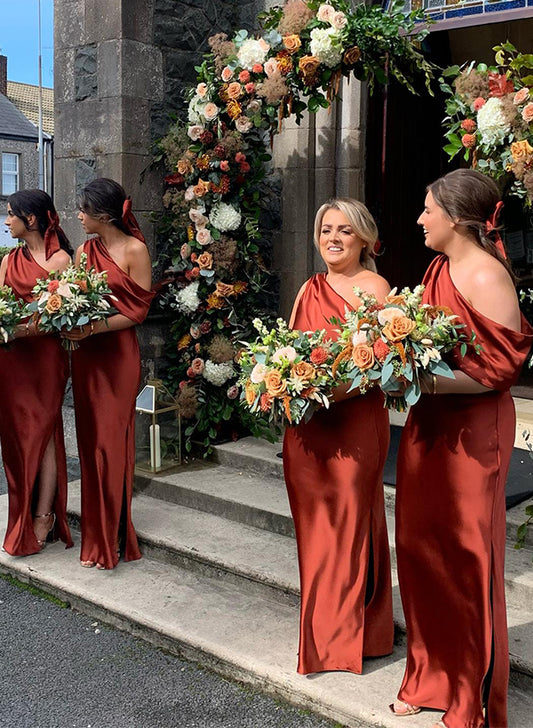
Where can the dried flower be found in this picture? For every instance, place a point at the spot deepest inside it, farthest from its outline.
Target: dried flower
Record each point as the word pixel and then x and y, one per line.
pixel 187 401
pixel 296 15
pixel 273 89
pixel 221 349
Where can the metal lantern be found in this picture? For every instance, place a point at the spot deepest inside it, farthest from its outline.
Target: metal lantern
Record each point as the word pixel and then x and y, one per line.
pixel 155 399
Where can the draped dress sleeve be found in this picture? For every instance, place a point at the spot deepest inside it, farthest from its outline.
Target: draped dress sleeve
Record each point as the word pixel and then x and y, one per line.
pixel 105 377
pixel 451 526
pixel 33 376
pixel 333 468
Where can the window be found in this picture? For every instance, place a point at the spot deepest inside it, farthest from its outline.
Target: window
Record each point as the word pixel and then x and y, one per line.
pixel 10 173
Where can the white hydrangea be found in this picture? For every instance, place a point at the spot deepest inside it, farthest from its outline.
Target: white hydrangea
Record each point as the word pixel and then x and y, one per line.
pixel 224 217
pixel 252 51
pixel 187 300
pixel 196 108
pixel 491 122
pixel 218 374
pixel 326 45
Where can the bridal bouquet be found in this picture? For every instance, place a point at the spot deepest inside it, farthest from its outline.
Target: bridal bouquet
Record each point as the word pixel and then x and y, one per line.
pixel 392 344
pixel 11 313
pixel 286 375
pixel 74 297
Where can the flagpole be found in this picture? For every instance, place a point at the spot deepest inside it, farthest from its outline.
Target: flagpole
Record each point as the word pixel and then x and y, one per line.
pixel 41 150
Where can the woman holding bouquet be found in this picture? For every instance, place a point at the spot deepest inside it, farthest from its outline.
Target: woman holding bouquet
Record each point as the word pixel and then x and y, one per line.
pixel 333 468
pixel 452 467
pixel 33 376
pixel 106 374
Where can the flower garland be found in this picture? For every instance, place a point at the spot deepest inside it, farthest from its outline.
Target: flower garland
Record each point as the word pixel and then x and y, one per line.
pixel 490 118
pixel 217 162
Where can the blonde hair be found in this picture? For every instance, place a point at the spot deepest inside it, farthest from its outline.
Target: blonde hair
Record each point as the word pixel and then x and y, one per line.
pixel 362 222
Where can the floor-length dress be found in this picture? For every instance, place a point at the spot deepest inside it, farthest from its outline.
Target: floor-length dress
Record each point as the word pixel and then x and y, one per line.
pixel 334 474
pixel 106 373
pixel 33 376
pixel 450 525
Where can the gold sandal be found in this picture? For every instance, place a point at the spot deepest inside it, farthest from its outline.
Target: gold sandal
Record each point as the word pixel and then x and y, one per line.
pixel 408 709
pixel 49 536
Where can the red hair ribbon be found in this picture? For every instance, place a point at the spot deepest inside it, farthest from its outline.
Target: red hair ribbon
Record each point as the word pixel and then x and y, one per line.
pixel 129 221
pixel 490 226
pixel 51 238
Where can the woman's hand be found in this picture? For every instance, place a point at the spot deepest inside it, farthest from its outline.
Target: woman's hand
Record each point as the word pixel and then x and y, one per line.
pixel 28 329
pixel 80 332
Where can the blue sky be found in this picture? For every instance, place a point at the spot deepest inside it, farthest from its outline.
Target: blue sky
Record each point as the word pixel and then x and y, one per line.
pixel 19 39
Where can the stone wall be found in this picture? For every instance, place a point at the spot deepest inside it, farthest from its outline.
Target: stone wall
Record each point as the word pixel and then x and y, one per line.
pixel 28 161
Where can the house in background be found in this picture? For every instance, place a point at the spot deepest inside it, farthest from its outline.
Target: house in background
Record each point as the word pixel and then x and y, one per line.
pixel 19 138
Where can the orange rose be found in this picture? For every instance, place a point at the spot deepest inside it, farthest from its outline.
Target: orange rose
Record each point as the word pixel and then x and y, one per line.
pixel 292 43
pixel 202 188
pixel 275 385
pixel 363 356
pixel 224 289
pixel 205 261
pixel 249 394
pixel 398 328
pixel 308 65
pixel 351 56
pixel 54 303
pixel 303 370
pixel 184 167
pixel 396 299
pixel 234 90
pixel 522 149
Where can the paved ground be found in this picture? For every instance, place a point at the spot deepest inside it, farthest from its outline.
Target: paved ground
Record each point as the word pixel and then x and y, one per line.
pixel 60 669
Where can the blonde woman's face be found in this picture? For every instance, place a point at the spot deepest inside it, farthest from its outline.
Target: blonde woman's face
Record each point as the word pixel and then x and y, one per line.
pixel 339 245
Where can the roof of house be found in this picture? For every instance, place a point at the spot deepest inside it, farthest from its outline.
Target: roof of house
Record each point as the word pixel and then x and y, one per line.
pixel 26 98
pixel 13 123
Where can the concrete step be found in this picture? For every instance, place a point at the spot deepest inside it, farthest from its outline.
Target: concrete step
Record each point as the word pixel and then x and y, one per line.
pixel 253 456
pixel 239 634
pixel 265 563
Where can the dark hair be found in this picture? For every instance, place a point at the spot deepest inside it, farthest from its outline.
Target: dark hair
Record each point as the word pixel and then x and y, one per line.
pixel 38 203
pixel 103 197
pixel 469 198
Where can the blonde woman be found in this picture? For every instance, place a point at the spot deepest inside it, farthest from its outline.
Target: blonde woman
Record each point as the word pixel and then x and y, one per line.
pixel 334 470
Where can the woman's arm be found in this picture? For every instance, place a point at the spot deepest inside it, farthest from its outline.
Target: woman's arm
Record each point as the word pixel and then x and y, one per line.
pixel 462 384
pixel 3 270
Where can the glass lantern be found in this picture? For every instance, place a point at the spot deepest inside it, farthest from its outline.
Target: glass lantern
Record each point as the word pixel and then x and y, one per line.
pixel 164 432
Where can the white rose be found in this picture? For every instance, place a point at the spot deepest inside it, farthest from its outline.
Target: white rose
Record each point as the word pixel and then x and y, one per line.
pixel 243 124
pixel 286 352
pixel 325 12
pixel 195 131
pixel 387 314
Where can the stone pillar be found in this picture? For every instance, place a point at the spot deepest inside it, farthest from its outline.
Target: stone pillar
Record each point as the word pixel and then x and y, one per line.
pixel 322 158
pixel 108 74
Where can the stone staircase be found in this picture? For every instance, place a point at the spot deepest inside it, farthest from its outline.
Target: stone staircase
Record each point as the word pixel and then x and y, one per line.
pixel 218 584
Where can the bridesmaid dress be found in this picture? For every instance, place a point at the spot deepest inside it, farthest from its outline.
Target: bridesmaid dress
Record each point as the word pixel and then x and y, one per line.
pixel 33 376
pixel 106 371
pixel 334 473
pixel 450 525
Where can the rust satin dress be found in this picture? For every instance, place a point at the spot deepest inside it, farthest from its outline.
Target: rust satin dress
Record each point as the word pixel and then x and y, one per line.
pixel 106 372
pixel 33 376
pixel 333 469
pixel 450 525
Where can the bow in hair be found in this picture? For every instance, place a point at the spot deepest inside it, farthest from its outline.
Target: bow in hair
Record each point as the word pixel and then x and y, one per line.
pixel 490 226
pixel 129 221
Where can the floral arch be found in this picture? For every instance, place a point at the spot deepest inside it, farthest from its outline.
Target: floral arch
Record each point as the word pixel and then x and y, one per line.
pixel 217 162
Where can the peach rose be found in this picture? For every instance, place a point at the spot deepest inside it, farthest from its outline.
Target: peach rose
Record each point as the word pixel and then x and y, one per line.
pixel 285 352
pixel 250 89
pixel 197 365
pixel 351 56
pixel 211 111
pixel 198 218
pixel 195 132
pixel 203 236
pixel 243 124
pixel 201 90
pixel 54 303
pixel 275 385
pixel 292 43
pixel 325 13
pixel 258 373
pixel 387 314
pixel 234 90
pixel 202 188
pixel 271 67
pixel 338 20
pixel 303 370
pixel 227 74
pixel 527 113
pixel 184 167
pixel 363 356
pixel 521 149
pixel 398 328
pixel 205 261
pixel 521 96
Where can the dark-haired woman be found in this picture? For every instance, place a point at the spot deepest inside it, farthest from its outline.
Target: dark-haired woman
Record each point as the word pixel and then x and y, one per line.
pixel 33 375
pixel 452 467
pixel 106 375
